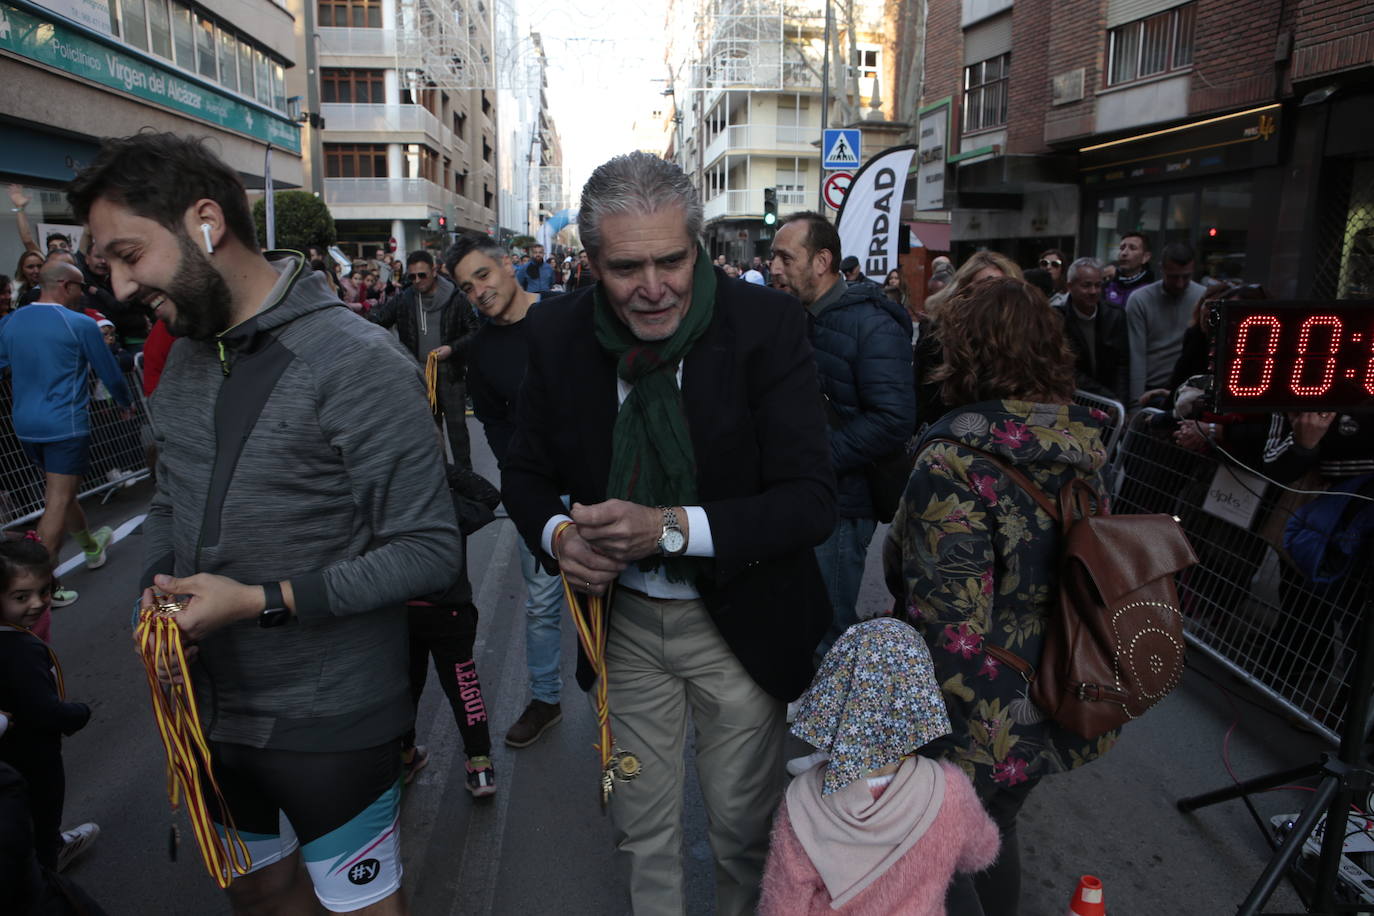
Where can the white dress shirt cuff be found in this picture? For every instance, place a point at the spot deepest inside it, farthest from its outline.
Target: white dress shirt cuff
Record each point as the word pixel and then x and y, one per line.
pixel 699 543
pixel 546 539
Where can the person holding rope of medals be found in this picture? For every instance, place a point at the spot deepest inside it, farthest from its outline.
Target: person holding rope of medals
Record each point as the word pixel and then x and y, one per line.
pixel 297 509
pixel 679 410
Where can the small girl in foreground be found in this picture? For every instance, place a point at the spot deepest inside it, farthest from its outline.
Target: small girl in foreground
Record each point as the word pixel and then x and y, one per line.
pixel 875 828
pixel 35 712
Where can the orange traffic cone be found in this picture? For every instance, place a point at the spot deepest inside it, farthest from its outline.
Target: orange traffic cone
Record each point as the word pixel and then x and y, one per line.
pixel 1087 900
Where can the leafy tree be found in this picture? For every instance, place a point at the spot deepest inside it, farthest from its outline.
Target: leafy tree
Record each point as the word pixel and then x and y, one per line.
pixel 302 220
pixel 523 241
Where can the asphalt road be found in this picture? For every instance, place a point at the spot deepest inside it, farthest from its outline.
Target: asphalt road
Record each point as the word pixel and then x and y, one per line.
pixel 541 845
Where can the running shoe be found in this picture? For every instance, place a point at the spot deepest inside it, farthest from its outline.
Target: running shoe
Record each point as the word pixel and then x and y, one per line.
pixel 415 759
pixel 61 597
pixel 96 558
pixel 75 842
pixel 481 777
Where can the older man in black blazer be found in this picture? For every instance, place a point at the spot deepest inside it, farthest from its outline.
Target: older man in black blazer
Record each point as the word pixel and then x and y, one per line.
pixel 680 410
pixel 1097 332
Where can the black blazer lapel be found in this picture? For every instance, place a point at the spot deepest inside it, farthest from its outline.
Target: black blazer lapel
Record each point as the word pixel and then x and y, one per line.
pixel 707 374
pixel 593 403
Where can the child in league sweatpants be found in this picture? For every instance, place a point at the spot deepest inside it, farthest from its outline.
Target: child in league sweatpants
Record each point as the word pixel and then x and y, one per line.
pixel 444 626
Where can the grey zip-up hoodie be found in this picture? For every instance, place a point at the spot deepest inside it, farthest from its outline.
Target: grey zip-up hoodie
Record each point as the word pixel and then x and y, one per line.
pixel 299 446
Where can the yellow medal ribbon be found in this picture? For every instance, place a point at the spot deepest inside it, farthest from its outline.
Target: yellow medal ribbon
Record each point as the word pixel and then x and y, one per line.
pixel 589 616
pixel 188 756
pixel 432 379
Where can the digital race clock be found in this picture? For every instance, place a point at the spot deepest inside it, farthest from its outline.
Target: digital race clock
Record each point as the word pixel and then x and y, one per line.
pixel 1294 355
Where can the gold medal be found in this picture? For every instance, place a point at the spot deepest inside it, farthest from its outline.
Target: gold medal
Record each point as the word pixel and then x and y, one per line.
pixel 626 766
pixel 167 606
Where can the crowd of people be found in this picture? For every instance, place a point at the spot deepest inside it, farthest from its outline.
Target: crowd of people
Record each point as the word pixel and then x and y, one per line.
pixel 709 446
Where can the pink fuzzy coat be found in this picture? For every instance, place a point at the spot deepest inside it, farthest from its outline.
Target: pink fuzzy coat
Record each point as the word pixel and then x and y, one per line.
pixel 962 838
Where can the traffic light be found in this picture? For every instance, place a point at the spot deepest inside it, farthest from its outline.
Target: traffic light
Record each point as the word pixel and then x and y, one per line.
pixel 770 206
pixel 443 223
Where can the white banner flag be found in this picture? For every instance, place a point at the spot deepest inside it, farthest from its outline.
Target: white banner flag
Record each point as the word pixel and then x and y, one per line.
pixel 871 216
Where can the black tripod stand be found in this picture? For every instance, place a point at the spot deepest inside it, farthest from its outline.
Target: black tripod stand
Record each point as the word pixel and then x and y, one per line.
pixel 1344 776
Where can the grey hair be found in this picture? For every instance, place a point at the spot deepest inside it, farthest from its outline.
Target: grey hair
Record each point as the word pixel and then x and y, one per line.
pixel 1081 263
pixel 636 182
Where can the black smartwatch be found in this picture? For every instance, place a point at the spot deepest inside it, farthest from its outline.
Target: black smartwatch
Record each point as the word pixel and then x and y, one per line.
pixel 276 613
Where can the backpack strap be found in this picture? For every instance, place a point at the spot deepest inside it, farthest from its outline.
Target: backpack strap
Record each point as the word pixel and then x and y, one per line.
pixel 1016 475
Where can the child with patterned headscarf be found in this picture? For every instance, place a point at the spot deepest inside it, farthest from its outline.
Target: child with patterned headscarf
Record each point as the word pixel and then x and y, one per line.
pixel 875 827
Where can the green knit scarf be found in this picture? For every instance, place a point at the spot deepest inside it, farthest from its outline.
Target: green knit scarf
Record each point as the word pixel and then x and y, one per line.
pixel 652 460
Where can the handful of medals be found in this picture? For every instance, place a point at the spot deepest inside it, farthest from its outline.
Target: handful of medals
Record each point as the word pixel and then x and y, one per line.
pixel 589 615
pixel 189 773
pixel 165 606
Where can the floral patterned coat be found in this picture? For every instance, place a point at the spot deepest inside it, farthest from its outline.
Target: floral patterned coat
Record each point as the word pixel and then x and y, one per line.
pixel 974 560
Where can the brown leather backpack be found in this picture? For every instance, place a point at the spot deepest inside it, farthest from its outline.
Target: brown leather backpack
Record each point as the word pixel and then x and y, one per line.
pixel 1114 641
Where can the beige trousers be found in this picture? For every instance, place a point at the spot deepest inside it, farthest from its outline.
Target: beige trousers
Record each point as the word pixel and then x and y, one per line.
pixel 665 658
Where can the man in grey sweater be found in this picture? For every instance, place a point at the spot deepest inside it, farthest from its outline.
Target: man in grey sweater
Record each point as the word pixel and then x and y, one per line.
pixel 1157 314
pixel 296 510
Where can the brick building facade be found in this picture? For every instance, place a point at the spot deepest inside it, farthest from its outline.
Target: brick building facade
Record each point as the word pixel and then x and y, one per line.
pixel 1238 125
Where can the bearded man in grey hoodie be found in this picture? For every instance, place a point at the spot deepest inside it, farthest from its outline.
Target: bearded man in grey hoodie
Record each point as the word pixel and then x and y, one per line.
pixel 296 510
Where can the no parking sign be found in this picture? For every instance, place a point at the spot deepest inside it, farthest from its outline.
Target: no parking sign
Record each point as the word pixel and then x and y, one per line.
pixel 835 188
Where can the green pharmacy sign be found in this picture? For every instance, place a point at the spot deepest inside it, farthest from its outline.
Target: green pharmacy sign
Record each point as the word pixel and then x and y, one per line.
pixel 65 49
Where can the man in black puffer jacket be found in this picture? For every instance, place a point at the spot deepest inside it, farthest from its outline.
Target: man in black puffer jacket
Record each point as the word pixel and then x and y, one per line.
pixel 431 315
pixel 862 341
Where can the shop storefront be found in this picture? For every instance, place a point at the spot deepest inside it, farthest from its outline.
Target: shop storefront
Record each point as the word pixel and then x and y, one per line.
pixel 68 76
pixel 1343 240
pixel 1213 183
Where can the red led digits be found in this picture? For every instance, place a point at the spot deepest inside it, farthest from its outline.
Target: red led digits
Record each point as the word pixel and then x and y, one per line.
pixel 1369 368
pixel 1300 365
pixel 1267 360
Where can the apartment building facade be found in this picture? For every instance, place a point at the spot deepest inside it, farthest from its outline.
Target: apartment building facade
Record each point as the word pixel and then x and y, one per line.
pixel 546 148
pixel 745 85
pixel 407 92
pixel 70 71
pixel 1240 127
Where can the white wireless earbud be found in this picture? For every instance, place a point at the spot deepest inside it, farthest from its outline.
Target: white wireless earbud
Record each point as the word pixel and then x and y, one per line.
pixel 205 231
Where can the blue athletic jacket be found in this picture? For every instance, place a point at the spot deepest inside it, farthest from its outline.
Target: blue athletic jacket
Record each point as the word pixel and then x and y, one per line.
pixel 49 350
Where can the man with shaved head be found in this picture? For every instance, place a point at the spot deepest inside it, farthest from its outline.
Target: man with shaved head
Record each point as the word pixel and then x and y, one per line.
pixel 50 348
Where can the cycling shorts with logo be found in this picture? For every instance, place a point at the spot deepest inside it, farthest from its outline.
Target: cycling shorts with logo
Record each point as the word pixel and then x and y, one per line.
pixel 340 808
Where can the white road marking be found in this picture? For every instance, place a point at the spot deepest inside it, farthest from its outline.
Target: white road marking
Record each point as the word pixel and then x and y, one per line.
pixel 120 534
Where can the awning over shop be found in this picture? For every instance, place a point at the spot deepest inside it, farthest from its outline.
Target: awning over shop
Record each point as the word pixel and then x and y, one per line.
pixel 1015 174
pixel 934 236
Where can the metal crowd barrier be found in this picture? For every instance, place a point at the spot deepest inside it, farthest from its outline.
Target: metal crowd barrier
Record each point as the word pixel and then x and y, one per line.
pixel 118 453
pixel 1245 604
pixel 1116 416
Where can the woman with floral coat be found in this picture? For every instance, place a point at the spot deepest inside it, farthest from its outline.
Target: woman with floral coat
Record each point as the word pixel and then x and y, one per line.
pixel 973 559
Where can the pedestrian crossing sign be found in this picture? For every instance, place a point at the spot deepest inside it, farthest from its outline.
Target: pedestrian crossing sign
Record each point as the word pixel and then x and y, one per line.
pixel 841 149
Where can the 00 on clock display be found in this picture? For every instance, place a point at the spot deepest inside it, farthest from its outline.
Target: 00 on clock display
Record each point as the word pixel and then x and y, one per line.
pixel 1295 355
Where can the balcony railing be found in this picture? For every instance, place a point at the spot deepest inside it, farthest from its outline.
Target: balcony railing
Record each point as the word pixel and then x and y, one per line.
pixel 379 191
pixel 373 117
pixel 780 137
pixel 747 203
pixel 359 42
